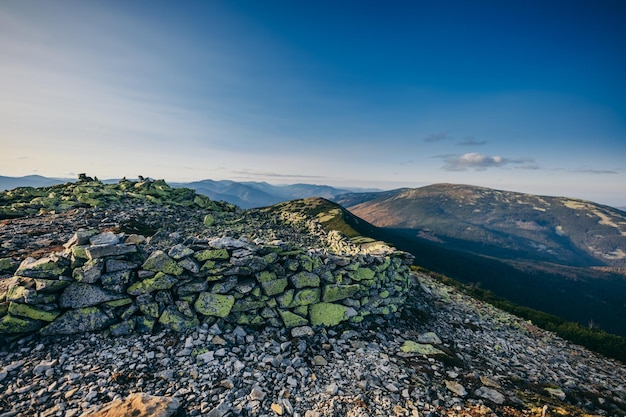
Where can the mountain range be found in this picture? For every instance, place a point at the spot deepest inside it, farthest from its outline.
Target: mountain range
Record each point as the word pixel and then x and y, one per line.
pixel 560 255
pixel 243 194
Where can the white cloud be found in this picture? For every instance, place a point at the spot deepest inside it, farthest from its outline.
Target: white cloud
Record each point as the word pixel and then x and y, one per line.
pixel 481 162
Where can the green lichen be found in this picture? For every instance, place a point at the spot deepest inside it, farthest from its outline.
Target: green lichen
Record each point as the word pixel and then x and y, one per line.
pixel 208 220
pixel 410 346
pixel 339 292
pixel 160 281
pixel 216 305
pixel 305 279
pixel 159 261
pixel 274 287
pixel 362 273
pixel 30 312
pixel 306 297
pixel 10 324
pixel 144 324
pixel 292 320
pixel 327 314
pixel 118 303
pixel 212 254
pixel 175 320
pixel 150 309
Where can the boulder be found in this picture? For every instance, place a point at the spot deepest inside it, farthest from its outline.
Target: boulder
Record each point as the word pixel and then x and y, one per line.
pixel 88 319
pixel 334 292
pixel 95 252
pixel 161 281
pixel 305 279
pixel 48 267
pixel 216 305
pixel 159 261
pixel 175 320
pixel 328 314
pixel 78 295
pixel 412 347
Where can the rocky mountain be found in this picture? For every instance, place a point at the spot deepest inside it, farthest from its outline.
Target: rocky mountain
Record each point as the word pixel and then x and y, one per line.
pixel 194 307
pixel 554 254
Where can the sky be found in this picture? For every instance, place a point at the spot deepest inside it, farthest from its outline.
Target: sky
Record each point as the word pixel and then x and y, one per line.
pixel 525 96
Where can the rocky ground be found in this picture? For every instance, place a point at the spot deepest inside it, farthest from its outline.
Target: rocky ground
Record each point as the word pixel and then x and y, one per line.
pixel 445 355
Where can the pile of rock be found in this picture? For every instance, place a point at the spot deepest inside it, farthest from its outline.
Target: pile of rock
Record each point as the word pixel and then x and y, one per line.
pixel 89 192
pixel 118 283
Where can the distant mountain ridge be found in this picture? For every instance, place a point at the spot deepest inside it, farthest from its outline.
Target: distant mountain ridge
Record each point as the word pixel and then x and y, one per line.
pixel 243 194
pixel 8 183
pixel 259 194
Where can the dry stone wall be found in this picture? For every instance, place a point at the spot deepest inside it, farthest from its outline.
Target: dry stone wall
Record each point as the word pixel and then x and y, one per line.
pixel 119 284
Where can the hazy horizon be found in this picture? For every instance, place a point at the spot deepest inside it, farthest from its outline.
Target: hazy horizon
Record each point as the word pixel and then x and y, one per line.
pixel 520 96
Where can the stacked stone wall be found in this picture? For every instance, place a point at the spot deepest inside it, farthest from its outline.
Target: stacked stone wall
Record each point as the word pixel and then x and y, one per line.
pixel 113 283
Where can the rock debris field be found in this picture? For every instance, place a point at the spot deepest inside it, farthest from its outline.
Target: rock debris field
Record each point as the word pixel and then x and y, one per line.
pixel 443 354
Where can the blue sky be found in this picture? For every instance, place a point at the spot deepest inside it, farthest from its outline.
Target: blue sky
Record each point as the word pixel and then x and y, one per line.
pixel 520 95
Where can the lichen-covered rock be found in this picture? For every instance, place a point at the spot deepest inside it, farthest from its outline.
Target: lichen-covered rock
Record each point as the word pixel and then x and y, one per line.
pixel 48 267
pixel 88 319
pixel 329 314
pixel 179 252
pixel 122 329
pixel 15 325
pixel 30 312
pixel 78 295
pixel 161 281
pixel 116 281
pixel 216 305
pixel 292 320
pixel 255 263
pixel 306 297
pixel 305 279
pixel 89 273
pixel 208 220
pixel 410 346
pixel 362 274
pixel 175 320
pixel 211 254
pixel 274 287
pixel 159 261
pixel 339 292
pixel 6 265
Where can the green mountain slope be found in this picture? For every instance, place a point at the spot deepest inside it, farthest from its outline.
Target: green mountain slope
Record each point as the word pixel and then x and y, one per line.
pixel 502 224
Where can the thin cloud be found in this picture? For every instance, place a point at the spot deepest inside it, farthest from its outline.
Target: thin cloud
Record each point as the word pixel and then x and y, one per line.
pixel 472 142
pixel 481 162
pixel 597 171
pixel 436 137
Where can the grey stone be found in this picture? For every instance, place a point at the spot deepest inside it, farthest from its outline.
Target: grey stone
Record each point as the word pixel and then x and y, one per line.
pixel 116 265
pixel 88 319
pixel 78 295
pixel 104 239
pixel 95 252
pixel 490 394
